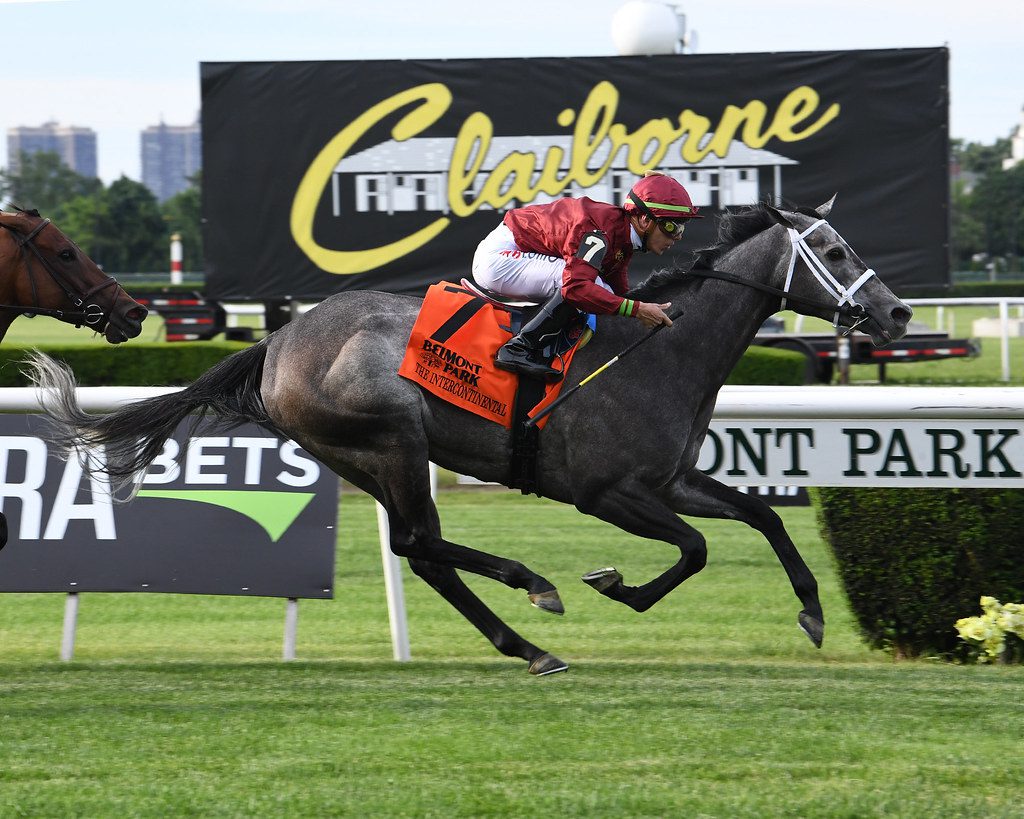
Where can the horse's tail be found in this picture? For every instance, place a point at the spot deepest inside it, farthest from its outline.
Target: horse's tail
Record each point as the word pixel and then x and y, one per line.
pixel 134 435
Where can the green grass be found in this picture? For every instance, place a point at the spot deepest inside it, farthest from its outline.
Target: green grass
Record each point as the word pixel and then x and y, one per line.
pixel 710 704
pixel 43 330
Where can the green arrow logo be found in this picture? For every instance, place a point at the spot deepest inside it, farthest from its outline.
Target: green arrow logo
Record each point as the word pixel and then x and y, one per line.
pixel 274 511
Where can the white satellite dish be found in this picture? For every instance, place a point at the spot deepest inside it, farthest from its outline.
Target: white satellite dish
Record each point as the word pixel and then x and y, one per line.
pixel 645 27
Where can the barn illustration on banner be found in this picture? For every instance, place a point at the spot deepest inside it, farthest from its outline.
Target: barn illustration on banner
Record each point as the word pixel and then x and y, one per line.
pixel 412 175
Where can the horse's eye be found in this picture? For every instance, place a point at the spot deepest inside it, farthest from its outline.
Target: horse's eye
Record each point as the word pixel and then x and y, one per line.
pixel 66 255
pixel 835 254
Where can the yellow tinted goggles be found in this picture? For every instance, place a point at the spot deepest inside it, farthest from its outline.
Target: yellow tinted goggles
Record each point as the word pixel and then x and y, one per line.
pixel 671 228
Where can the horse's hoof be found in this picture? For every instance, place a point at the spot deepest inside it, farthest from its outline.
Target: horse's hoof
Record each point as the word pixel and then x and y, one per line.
pixel 812 627
pixel 603 579
pixel 547 664
pixel 548 601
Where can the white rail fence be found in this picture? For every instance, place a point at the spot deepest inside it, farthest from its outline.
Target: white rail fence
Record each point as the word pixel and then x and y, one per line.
pixel 1003 306
pixel 882 407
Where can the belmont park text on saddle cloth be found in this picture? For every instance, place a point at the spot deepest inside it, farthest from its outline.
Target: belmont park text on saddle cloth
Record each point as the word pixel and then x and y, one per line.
pixel 451 355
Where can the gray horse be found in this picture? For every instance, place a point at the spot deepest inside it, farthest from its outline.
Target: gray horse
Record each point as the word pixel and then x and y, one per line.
pixel 328 381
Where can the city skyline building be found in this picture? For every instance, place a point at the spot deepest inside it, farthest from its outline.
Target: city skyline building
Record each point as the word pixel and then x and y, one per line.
pixel 170 155
pixel 75 145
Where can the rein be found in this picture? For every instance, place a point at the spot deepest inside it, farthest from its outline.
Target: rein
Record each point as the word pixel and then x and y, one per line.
pixel 844 306
pixel 853 311
pixel 91 314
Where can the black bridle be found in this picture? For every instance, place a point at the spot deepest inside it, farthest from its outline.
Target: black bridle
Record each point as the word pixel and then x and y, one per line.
pixel 86 312
pixel 853 312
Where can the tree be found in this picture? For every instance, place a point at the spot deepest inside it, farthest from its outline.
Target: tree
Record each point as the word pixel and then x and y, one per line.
pixel 87 221
pixel 43 182
pixel 978 158
pixel 997 202
pixel 137 227
pixel 183 215
pixel 987 216
pixel 967 231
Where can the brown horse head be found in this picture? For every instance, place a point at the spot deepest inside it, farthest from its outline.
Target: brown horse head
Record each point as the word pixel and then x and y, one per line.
pixel 42 272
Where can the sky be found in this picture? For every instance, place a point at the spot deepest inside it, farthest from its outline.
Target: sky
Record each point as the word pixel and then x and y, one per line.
pixel 119 66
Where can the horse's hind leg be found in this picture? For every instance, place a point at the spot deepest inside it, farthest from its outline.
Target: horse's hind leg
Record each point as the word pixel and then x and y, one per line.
pixel 450 586
pixel 697 494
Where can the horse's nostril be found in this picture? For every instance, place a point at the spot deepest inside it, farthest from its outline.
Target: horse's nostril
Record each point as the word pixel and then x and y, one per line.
pixel 137 314
pixel 901 315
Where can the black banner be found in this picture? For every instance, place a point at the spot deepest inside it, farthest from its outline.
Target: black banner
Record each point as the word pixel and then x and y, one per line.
pixel 328 176
pixel 237 512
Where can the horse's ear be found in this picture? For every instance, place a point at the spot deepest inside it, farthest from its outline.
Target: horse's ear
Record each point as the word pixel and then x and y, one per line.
pixel 824 210
pixel 783 217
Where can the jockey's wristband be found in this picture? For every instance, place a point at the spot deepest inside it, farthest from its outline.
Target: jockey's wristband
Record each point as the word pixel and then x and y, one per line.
pixel 628 308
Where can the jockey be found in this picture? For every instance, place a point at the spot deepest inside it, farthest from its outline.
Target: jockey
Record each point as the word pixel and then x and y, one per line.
pixel 574 255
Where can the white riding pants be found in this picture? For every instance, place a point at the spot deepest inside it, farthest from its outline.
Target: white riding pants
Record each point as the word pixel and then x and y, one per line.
pixel 500 265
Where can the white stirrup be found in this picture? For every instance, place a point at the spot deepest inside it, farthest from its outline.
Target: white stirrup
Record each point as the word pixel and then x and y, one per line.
pixel 842 295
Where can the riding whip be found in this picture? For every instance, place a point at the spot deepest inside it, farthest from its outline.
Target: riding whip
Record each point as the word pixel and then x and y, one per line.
pixel 550 407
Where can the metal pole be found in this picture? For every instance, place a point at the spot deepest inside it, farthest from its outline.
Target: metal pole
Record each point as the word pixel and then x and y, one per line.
pixel 843 357
pixel 291 625
pixel 176 258
pixel 393 590
pixel 67 639
pixel 1004 329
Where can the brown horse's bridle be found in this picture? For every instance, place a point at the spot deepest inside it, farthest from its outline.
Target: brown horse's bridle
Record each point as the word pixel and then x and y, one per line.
pixel 86 313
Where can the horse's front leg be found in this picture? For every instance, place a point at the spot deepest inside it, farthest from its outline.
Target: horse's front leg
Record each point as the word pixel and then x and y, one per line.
pixel 697 494
pixel 634 508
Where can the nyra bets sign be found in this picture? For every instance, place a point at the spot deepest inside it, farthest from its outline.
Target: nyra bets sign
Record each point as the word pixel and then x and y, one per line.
pixel 237 512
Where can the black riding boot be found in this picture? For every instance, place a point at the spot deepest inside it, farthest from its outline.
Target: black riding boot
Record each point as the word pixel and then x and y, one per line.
pixel 523 353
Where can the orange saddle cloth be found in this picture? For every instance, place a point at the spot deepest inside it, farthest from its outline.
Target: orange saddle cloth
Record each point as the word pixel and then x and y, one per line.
pixel 451 354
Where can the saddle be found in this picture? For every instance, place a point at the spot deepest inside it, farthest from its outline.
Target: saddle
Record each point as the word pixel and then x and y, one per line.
pixel 451 352
pixel 576 334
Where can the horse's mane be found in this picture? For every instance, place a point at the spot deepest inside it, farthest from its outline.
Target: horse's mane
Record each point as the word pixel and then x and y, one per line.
pixel 17 209
pixel 734 228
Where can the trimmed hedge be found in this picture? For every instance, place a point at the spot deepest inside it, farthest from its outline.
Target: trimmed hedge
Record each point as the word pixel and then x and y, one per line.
pixel 914 561
pixel 769 366
pixel 142 364
pixel 136 364
pixel 965 290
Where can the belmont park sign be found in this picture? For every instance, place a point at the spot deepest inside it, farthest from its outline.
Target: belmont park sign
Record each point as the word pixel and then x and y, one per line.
pixel 849 453
pixel 867 436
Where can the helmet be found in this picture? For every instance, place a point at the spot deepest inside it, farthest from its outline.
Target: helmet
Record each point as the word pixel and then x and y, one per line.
pixel 661 197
